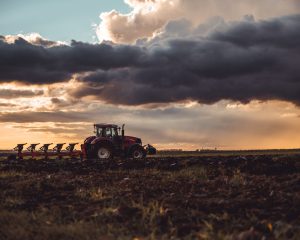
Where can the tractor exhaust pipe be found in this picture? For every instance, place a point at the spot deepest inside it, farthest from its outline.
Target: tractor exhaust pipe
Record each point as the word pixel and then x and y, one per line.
pixel 123 134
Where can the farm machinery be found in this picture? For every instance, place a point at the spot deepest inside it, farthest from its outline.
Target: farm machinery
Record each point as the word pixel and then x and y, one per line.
pixel 108 142
pixel 45 151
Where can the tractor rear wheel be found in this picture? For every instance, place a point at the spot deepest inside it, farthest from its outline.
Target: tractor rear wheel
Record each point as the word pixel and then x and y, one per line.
pixel 138 153
pixel 104 153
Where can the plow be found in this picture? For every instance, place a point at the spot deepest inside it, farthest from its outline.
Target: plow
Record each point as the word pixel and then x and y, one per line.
pixel 108 141
pixel 45 152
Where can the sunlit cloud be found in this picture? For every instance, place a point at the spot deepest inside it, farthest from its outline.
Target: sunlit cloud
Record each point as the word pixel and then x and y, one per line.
pixel 147 18
pixel 33 38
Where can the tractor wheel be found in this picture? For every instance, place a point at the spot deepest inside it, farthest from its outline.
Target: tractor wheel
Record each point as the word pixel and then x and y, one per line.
pixel 138 153
pixel 104 152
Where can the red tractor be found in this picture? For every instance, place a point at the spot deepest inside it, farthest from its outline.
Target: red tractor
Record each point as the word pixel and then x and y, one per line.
pixel 109 141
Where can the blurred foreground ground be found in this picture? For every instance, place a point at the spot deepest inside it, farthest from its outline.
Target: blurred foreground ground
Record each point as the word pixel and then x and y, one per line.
pixel 252 196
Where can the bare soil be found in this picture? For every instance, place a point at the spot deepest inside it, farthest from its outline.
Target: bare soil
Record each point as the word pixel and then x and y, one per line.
pixel 217 197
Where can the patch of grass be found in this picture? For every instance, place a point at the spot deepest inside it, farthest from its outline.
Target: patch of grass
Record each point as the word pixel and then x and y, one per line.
pixel 9 174
pixel 13 201
pixel 94 193
pixel 24 225
pixel 238 179
pixel 192 173
pixel 152 215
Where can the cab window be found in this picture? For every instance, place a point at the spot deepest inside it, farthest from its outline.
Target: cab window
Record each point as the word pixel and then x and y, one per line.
pixel 99 132
pixel 108 132
pixel 111 132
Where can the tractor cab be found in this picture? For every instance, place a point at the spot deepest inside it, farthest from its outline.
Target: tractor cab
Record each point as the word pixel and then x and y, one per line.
pixel 106 130
pixel 111 133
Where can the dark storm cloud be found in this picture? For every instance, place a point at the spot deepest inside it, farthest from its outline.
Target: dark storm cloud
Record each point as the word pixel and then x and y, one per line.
pixel 281 33
pixel 242 61
pixel 239 61
pixel 29 63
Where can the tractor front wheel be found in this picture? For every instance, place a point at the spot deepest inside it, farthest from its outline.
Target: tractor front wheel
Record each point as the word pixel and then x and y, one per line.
pixel 104 153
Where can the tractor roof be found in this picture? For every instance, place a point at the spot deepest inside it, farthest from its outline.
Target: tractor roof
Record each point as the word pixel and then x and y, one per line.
pixel 105 125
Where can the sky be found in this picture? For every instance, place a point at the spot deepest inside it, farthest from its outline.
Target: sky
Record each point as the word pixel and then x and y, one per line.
pixel 180 74
pixel 59 20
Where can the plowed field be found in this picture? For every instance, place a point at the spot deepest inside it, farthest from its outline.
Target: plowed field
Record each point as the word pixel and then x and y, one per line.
pixel 218 197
